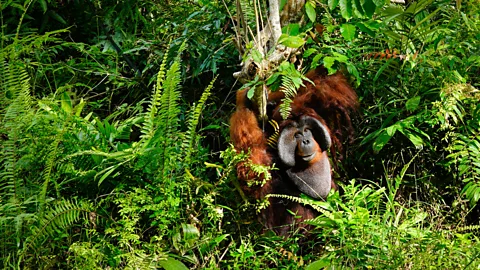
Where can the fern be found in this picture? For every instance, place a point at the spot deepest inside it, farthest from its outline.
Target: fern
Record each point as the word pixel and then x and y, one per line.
pixel 457 111
pixel 49 167
pixel 467 157
pixel 169 109
pixel 314 204
pixel 17 101
pixel 148 127
pixel 191 134
pixel 291 81
pixel 60 216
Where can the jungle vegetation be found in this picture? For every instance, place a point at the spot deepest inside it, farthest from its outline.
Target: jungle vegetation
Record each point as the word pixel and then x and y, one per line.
pixel 114 136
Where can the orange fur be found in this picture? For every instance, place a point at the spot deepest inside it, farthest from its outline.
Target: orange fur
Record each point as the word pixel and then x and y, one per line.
pixel 330 99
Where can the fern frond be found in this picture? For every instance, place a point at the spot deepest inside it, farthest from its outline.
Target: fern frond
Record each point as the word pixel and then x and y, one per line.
pixel 273 139
pixel 468 228
pixel 288 87
pixel 49 166
pixel 148 127
pixel 169 109
pixel 303 201
pixel 15 105
pixel 191 134
pixel 60 216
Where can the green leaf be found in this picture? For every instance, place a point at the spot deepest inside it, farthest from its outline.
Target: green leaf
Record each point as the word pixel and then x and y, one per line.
pixel 379 3
pixel 382 68
pixel 291 41
pixel 257 56
pixel 190 231
pixel 353 70
pixel 414 138
pixel 250 92
pixel 348 31
pixel 292 29
pixel 383 138
pixel 310 9
pixel 340 57
pixel 316 59
pixel 358 9
pixel 109 171
pixel 412 104
pixel 369 8
pixel 332 4
pixel 346 8
pixel 79 107
pixel 66 103
pixel 43 4
pixel 328 61
pixel 273 78
pixel 309 52
pixel 172 264
pixel 320 264
pixel 365 29
pixel 56 17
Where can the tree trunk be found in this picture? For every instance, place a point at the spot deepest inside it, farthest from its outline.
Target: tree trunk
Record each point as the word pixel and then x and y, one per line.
pixel 267 37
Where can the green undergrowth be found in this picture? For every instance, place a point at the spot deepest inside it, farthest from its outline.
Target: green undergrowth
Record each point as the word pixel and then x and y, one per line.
pixel 77 192
pixel 105 164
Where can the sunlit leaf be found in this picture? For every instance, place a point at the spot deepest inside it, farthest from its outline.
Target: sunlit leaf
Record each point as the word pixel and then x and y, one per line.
pixel 383 138
pixel 257 56
pixel 250 92
pixel 379 3
pixel 317 265
pixel 346 8
pixel 292 29
pixel 291 41
pixel 348 31
pixel 412 104
pixel 66 103
pixel 309 52
pixel 328 61
pixel 332 4
pixel 172 264
pixel 310 10
pixel 414 138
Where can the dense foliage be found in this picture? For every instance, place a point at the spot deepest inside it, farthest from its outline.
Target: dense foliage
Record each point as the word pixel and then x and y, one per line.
pixel 114 149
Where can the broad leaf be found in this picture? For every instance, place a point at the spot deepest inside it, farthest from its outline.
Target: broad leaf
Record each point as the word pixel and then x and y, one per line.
pixel 172 264
pixel 310 9
pixel 358 9
pixel 379 3
pixel 257 56
pixel 309 52
pixel 383 138
pixel 320 264
pixel 332 4
pixel 412 104
pixel 328 61
pixel 365 29
pixel 291 41
pixel 413 137
pixel 346 8
pixel 348 31
pixel 292 29
pixel 250 93
pixel 66 103
pixel 369 8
